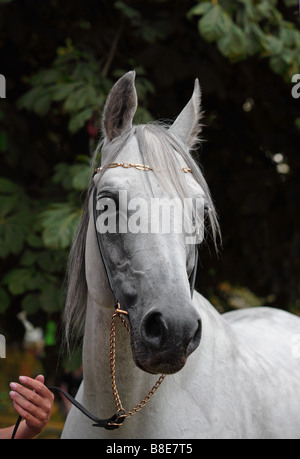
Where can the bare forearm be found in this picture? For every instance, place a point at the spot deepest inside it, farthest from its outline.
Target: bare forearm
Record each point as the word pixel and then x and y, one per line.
pixel 22 433
pixel 6 433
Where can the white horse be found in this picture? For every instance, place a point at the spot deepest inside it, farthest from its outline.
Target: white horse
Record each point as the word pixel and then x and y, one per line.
pixel 235 375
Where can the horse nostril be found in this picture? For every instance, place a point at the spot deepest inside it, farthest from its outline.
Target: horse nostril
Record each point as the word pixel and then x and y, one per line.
pixel 154 329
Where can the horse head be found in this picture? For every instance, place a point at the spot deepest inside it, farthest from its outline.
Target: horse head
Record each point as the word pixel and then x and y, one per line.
pixel 150 201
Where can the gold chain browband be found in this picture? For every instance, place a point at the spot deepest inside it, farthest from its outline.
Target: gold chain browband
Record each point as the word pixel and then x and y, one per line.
pixel 140 167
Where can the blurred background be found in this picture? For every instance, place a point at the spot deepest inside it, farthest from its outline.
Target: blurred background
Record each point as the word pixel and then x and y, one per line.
pixel 59 60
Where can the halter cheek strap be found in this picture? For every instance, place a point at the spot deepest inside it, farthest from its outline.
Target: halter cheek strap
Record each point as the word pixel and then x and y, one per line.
pixel 102 251
pixel 192 278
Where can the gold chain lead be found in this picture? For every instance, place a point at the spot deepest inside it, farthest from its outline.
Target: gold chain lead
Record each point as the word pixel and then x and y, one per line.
pixel 112 361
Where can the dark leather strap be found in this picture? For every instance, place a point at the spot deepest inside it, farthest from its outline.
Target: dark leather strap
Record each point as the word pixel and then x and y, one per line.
pixel 111 423
pixel 102 250
pixel 192 278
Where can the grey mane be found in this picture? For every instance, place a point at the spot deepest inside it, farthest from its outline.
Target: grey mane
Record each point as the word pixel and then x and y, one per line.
pixel 156 145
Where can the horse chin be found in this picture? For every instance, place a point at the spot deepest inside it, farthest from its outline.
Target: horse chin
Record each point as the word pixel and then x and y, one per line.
pixel 155 366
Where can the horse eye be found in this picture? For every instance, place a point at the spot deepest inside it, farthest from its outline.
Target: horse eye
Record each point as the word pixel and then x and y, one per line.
pixel 106 203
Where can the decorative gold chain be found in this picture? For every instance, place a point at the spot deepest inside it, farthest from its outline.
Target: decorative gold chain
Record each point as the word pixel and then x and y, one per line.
pixel 112 361
pixel 140 167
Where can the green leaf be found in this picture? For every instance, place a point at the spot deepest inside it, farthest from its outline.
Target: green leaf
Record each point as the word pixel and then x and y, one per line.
pixel 31 303
pixel 272 44
pixel 79 99
pixel 46 77
pixel 278 65
pixel 62 175
pixel 290 3
pixel 233 44
pixel 60 222
pixel 29 258
pixel 81 177
pixel 129 12
pixel 15 217
pixel 42 104
pixel 51 261
pixel 34 240
pixel 29 99
pixel 212 25
pixel 51 299
pixel 37 281
pixel 198 10
pixel 78 121
pixel 13 231
pixel 266 8
pixel 17 280
pixel 253 35
pixel 7 186
pixel 63 90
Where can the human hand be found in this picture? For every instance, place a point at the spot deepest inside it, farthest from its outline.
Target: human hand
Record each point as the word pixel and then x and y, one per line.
pixel 33 401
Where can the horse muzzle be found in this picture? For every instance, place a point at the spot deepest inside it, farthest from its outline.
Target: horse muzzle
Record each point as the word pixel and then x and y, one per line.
pixel 165 342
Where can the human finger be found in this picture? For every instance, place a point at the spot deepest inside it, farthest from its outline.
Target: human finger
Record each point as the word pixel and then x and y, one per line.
pixel 41 400
pixel 40 378
pixel 35 424
pixel 23 405
pixel 37 385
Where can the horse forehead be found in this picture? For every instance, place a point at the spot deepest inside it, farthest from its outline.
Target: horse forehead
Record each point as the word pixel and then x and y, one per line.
pixel 136 181
pixel 131 149
pixel 130 180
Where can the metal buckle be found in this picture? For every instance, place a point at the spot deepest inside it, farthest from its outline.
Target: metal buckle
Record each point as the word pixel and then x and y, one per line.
pixel 119 310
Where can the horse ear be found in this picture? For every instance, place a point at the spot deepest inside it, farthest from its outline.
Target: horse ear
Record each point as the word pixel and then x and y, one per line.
pixel 120 107
pixel 187 125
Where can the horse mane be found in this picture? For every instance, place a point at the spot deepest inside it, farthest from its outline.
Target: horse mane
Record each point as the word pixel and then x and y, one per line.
pixel 158 148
